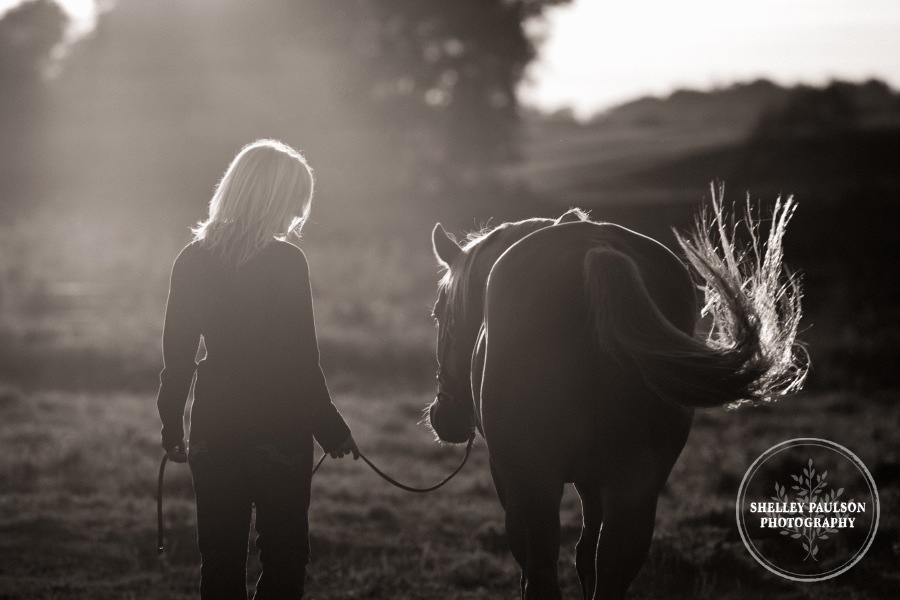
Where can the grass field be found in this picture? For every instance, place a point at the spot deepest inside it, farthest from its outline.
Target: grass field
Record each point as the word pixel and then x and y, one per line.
pixel 77 514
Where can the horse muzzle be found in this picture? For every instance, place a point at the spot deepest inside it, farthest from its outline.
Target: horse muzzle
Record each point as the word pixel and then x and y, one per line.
pixel 449 421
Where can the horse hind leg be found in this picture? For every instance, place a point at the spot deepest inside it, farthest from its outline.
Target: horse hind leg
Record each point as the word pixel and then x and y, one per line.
pixel 533 532
pixel 624 541
pixel 518 544
pixel 586 548
pixel 629 497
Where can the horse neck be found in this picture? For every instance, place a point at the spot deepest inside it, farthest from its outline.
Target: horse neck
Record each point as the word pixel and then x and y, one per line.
pixel 483 256
pixel 467 295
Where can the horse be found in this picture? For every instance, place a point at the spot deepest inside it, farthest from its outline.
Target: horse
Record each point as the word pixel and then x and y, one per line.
pixel 573 348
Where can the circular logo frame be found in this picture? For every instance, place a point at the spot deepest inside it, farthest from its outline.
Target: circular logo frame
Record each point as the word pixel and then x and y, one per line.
pixel 755 467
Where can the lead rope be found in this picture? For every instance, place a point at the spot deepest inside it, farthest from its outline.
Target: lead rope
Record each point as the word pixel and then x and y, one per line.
pixel 379 472
pixel 159 518
pixel 403 486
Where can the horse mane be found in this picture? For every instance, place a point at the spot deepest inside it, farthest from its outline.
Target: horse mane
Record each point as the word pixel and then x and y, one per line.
pixel 456 281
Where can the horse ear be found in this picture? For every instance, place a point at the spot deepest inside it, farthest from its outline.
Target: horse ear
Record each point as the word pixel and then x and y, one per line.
pixel 444 246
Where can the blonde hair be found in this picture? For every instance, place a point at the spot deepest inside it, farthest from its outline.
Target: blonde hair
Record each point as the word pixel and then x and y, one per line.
pixel 265 194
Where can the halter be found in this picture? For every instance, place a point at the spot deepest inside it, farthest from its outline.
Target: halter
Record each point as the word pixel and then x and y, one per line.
pixel 445 339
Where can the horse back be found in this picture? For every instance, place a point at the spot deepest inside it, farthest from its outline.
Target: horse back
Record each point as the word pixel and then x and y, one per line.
pixel 543 274
pixel 545 379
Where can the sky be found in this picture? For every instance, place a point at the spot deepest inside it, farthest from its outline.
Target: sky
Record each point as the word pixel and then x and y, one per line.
pixel 599 53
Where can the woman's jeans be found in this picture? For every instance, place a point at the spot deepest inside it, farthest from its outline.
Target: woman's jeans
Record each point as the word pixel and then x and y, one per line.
pixel 228 483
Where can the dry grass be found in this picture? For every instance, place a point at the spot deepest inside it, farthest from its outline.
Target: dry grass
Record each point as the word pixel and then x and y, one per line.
pixel 77 510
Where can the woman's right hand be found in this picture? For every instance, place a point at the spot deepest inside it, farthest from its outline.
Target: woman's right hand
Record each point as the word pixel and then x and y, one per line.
pixel 348 446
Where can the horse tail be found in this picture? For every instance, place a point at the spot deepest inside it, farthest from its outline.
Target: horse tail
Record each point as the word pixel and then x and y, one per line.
pixel 750 355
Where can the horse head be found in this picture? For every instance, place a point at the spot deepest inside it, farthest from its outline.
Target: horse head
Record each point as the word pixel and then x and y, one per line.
pixel 451 414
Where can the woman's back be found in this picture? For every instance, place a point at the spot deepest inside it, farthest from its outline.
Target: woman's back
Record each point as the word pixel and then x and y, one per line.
pixel 237 307
pixel 260 379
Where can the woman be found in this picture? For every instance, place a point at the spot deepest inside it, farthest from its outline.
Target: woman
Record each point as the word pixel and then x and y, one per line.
pixel 260 395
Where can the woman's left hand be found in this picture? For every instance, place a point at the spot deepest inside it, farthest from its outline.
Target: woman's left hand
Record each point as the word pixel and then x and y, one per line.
pixel 348 446
pixel 177 453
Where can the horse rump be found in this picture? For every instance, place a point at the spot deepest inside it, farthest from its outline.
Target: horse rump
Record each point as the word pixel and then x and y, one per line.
pixel 751 353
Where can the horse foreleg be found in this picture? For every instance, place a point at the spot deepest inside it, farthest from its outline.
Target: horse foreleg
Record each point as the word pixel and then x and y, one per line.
pixel 624 543
pixel 586 549
pixel 532 525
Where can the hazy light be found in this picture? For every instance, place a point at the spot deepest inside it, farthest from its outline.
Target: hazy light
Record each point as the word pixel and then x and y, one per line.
pixel 599 52
pixel 83 14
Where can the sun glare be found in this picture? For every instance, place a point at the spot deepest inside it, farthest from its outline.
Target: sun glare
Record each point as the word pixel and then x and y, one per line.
pixel 83 14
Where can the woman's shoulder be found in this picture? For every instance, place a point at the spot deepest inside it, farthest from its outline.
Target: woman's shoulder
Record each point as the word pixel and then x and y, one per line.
pixel 188 263
pixel 190 253
pixel 278 254
pixel 289 253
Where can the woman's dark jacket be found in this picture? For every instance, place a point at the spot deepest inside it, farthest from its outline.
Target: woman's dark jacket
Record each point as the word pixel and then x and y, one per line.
pixel 260 381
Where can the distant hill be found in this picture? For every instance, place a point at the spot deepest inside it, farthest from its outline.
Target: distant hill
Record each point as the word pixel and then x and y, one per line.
pixel 758 135
pixel 824 143
pixel 739 106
